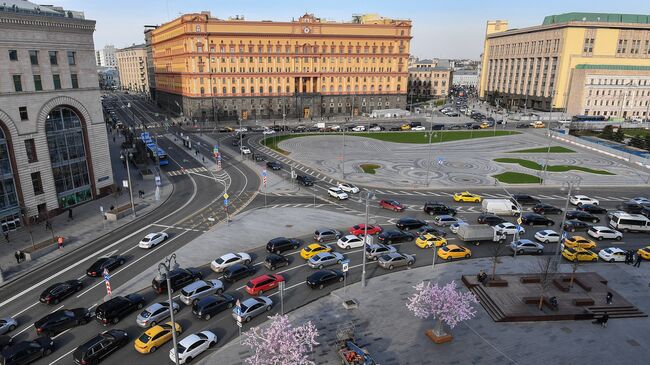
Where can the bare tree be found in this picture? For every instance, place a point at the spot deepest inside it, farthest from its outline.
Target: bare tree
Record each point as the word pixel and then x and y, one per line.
pixel 117 192
pixel 574 267
pixel 26 218
pixel 496 251
pixel 546 276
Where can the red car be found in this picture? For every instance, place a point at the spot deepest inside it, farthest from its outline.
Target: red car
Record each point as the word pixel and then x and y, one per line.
pixel 391 205
pixel 360 229
pixel 263 283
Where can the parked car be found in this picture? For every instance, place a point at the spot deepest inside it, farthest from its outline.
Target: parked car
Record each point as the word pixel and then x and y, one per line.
pixel 510 228
pixel 274 261
pixel 579 255
pixel 392 260
pixel 542 208
pixel 409 223
pixel 430 240
pixel 274 165
pixel 526 246
pixel 582 199
pixel 391 204
pixel 178 278
pixel 225 261
pixel 212 305
pixel 631 207
pixel 522 125
pixel 593 209
pixel 490 219
pixel 192 346
pixel 602 232
pixel 105 263
pixel 574 225
pixel 348 188
pixel 640 200
pixel 263 283
pixel 395 236
pixel 436 208
pixel 547 236
pixel 327 234
pixel 26 352
pixel 59 291
pixel 237 272
pixel 152 239
pixel 582 216
pixel 7 324
pixel 324 259
pixel 100 347
pixel 578 242
pixel 525 199
pixel 466 196
pixel 245 150
pixel 350 241
pixel 6 342
pixel 373 251
pixel 337 193
pixel 322 278
pixel 199 289
pixel 534 219
pixel 155 337
pixel 444 220
pixel 433 230
pixel 281 244
pixel 251 307
pixel 359 229
pixel 61 320
pixel 156 313
pixel 613 254
pixel 113 310
pixel 305 180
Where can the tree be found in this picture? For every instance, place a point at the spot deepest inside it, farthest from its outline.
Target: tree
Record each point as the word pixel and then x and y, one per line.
pixel 496 251
pixel 546 276
pixel 637 141
pixel 647 142
pixel 619 136
pixel 608 132
pixel 442 303
pixel 281 343
pixel 27 219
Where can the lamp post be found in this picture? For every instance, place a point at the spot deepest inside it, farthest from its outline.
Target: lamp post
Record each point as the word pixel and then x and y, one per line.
pixel 430 150
pixel 126 157
pixel 369 195
pixel 548 134
pixel 241 141
pixel 570 186
pixel 515 237
pixel 163 270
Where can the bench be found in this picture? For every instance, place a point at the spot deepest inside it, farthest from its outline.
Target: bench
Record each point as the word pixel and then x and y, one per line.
pixel 582 302
pixel 497 283
pixel 535 300
pixel 582 284
pixel 560 285
pixel 529 279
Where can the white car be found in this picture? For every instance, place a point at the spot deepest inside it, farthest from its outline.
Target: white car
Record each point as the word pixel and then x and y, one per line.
pixel 192 346
pixel 245 150
pixel 229 259
pixel 358 128
pixel 348 188
pixel 419 128
pixel 152 239
pixel 350 241
pixel 582 199
pixel 268 131
pixel 547 236
pixel 640 200
pixel 241 130
pixel 335 127
pixel 612 254
pixel 602 232
pixel 337 193
pixel 510 228
pixel 375 129
pixel 454 227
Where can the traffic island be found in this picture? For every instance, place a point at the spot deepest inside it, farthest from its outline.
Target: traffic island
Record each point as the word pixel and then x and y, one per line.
pixel 517 178
pixel 369 168
pixel 550 168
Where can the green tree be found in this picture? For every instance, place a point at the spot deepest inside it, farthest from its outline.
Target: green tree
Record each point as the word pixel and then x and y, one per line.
pixel 647 142
pixel 619 136
pixel 608 132
pixel 637 142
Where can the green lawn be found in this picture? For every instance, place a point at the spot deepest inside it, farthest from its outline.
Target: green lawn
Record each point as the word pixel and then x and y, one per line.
pixel 636 132
pixel 551 168
pixel 554 149
pixel 369 168
pixel 517 178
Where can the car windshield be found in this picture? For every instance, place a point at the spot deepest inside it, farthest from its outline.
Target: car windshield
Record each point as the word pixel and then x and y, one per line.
pixel 146 239
pixel 144 338
pixel 608 250
pixel 219 260
pixel 181 349
pixel 145 314
pixel 185 293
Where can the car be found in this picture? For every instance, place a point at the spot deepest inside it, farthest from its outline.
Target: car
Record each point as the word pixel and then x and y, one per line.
pixel 359 128
pixel 391 204
pixel 582 199
pixel 348 188
pixel 192 346
pixel 105 263
pixel 322 278
pixel 245 150
pixel 237 272
pixel 453 127
pixel 646 211
pixel 547 236
pixel 337 193
pixel 602 232
pixel 225 261
pixel 395 236
pixel 593 209
pixel 373 251
pixel 262 283
pixel 456 226
pixel 199 289
pixel 305 180
pixel 155 313
pixel 313 249
pixel 178 279
pixel 280 244
pixel 542 208
pixel 350 241
pixel 489 219
pixel 430 240
pixel 436 208
pixel 59 291
pixel 522 125
pixel 582 216
pixel 419 128
pixel 359 229
pixel 251 307
pixel 395 129
pixel 640 200
pixel 324 259
pixel 26 352
pixel 268 131
pixel 209 306
pixel 524 246
pixel 525 199
pixel 538 124
pixel 152 239
pixel 7 325
pixel 444 220
pixel 118 307
pixel 408 223
pixel 578 254
pixel 573 225
pixel 155 337
pixel 376 128
pixel 534 219
pixel 613 254
pixel 451 252
pixel 100 347
pixel 579 242
pixel 644 252
pixel 484 125
pixel 405 127
pixel 467 197
pixel 61 320
pixel 631 207
pixel 395 259
pixel 510 228
pixel 6 342
pixel 274 261
pixel 274 165
pixel 433 230
pixel 327 234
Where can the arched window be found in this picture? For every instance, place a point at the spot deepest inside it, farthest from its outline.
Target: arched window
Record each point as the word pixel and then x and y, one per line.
pixel 8 197
pixel 288 88
pixel 225 90
pixel 399 87
pixel 261 89
pixel 340 88
pixel 234 90
pixel 332 89
pixel 347 88
pixel 202 91
pixel 270 89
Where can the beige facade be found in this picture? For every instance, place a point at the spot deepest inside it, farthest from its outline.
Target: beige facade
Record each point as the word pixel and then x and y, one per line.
pixel 429 81
pixel 132 67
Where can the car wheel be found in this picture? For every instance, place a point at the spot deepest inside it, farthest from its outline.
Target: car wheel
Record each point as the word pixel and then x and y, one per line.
pixel 295 247
pixel 572 230
pixel 449 258
pixel 55 301
pixel 12 327
pixel 268 308
pixel 467 256
pixel 211 345
pixel 390 267
pixel 121 262
pixel 153 349
pixel 611 260
pixel 115 320
pixel 153 323
pixel 539 252
pixel 272 268
pixel 409 263
pixel 618 238
pixel 530 223
pixel 188 360
pixel 341 279
pixel 546 242
pixel 575 260
pixel 220 290
pixel 411 239
pixel 278 252
pixel 595 220
pixel 320 286
pixel 338 262
pixel 247 319
pixel 389 242
pixel 520 252
pixel 594 260
pixel 320 267
pixel 47 352
pixel 600 238
pixel 207 317
pixel 549 224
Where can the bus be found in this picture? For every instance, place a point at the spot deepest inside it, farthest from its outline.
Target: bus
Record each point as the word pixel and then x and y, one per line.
pixel 154 151
pixel 589 118
pixel 629 222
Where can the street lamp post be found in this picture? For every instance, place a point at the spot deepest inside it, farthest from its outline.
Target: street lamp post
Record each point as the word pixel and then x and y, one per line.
pixel 126 157
pixel 369 195
pixel 548 134
pixel 430 151
pixel 570 186
pixel 163 270
pixel 241 141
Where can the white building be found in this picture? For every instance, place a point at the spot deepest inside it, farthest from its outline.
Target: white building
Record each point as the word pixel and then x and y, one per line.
pixel 465 78
pixel 106 56
pixel 109 78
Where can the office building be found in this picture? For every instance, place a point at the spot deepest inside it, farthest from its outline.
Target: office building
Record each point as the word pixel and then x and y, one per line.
pixel 132 67
pixel 106 56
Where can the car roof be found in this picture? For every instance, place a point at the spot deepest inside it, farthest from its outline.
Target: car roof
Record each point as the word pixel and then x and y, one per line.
pixel 393 254
pixel 614 249
pixel 156 306
pixel 189 340
pixel 314 245
pixel 261 278
pixel 151 235
pixel 194 285
pixel 547 231
pixel 251 301
pixel 599 228
pixel 228 256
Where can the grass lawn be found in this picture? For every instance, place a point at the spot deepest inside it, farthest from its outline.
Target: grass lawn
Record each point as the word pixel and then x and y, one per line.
pixel 369 168
pixel 636 132
pixel 551 168
pixel 517 178
pixel 554 149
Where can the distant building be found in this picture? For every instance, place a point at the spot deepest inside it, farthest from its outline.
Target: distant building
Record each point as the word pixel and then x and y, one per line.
pixel 106 56
pixel 132 66
pixel 467 78
pixel 151 71
pixel 429 82
pixel 109 78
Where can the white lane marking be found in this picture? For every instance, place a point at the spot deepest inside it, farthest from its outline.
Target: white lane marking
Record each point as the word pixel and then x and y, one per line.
pixel 61 333
pixel 28 308
pixel 62 356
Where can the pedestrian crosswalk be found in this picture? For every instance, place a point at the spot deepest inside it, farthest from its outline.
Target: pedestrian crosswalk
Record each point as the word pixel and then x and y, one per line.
pixel 187 171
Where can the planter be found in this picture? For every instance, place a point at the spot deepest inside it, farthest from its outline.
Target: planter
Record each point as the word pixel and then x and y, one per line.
pixel 438 334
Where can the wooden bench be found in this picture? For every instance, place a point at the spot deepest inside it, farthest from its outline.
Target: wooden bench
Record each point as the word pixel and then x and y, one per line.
pixel 529 279
pixel 535 300
pixel 560 285
pixel 497 283
pixel 583 302
pixel 582 284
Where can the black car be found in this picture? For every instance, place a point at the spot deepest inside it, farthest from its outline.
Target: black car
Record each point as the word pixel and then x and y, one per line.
pixel 646 212
pixel 209 306
pixel 6 341
pixel 110 263
pixel 99 347
pixel 436 208
pixel 490 219
pixel 395 236
pixel 574 225
pixel 631 207
pixel 321 278
pixel 433 230
pixel 59 291
pixel 534 219
pixel 178 278
pixel 273 261
pixel 525 199
pixel 26 352
pixel 274 165
pixel 305 180
pixel 409 223
pixel 542 208
pixel 522 125
pixel 591 208
pixel 61 320
pixel 582 216
pixel 117 308
pixel 237 272
pixel 438 127
pixel 395 129
pixel 281 244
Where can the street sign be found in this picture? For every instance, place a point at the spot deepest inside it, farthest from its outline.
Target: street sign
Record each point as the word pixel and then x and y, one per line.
pixel 264 173
pixel 158 181
pixel 440 160
pixel 239 324
pixel 125 183
pixel 345 265
pixel 225 202
pixel 226 196
pixel 101 209
pixel 107 276
pixel 519 220
pixel 293 174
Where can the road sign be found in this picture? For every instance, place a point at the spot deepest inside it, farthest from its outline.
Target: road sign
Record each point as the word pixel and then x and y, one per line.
pixel 293 174
pixel 440 160
pixel 519 220
pixel 125 183
pixel 101 209
pixel 239 324
pixel 264 173
pixel 158 181
pixel 108 288
pixel 225 202
pixel 107 276
pixel 345 265
pixel 226 196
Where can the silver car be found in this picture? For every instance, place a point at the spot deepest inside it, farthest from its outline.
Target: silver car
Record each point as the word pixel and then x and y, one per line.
pixel 251 308
pixel 327 234
pixel 154 314
pixel 373 251
pixel 7 325
pixel 444 220
pixel 395 259
pixel 323 259
pixel 200 289
pixel 525 246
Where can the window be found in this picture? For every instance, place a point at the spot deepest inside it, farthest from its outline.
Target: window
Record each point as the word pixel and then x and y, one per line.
pixel 38 85
pixel 57 82
pixel 53 60
pixel 23 113
pixel 33 57
pixel 37 184
pixel 18 85
pixel 30 149
pixel 75 81
pixel 13 55
pixel 72 58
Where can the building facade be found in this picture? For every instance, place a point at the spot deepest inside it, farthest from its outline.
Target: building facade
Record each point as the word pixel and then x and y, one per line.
pixel 109 78
pixel 213 69
pixel 106 56
pixel 468 78
pixel 583 63
pixel 429 82
pixel 132 67
pixel 53 141
pixel 151 71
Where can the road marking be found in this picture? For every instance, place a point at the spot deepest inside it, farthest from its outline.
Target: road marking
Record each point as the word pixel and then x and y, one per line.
pixel 62 356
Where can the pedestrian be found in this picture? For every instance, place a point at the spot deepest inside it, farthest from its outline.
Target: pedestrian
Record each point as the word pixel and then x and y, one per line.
pixel 48 225
pixel 6 236
pixel 637 263
pixel 113 138
pixel 59 242
pixel 70 214
pixel 17 256
pixel 203 158
pixel 609 297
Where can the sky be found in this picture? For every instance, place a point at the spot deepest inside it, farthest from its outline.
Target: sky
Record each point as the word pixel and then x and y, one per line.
pixel 441 29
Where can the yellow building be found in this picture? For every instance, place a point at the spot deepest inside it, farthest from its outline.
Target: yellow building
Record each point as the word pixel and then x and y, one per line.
pixel 132 66
pixel 209 68
pixel 429 82
pixel 584 63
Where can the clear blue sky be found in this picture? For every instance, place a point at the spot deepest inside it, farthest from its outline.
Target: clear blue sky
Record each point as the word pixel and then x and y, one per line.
pixel 444 29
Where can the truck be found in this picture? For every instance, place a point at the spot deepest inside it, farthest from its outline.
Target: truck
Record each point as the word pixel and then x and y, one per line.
pixel 476 233
pixel 500 207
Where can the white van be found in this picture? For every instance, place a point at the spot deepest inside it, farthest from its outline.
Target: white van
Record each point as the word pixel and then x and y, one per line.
pixel 499 207
pixel 629 222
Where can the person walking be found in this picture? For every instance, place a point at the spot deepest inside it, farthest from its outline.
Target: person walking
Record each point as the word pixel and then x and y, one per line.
pixel 637 263
pixel 70 214
pixel 59 242
pixel 48 225
pixel 17 256
pixel 6 236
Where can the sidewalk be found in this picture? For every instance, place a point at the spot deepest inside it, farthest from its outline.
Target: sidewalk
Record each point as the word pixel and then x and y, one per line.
pixel 87 223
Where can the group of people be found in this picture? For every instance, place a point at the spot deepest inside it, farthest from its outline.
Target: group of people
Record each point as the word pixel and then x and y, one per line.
pixel 482 277
pixel 632 257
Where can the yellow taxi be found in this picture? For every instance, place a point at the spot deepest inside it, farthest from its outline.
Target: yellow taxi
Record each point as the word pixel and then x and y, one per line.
pixel 538 124
pixel 466 196
pixel 484 125
pixel 451 252
pixel 405 127
pixel 313 249
pixel 644 252
pixel 429 240
pixel 578 254
pixel 579 242
pixel 155 337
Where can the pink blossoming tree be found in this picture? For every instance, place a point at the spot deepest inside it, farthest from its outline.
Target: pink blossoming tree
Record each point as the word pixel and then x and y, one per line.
pixel 281 343
pixel 446 304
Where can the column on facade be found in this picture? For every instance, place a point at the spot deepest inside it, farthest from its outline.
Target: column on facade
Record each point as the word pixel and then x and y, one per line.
pixel 300 84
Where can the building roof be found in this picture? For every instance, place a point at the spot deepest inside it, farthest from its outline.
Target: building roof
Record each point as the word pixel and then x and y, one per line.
pixel 466 72
pixel 597 17
pixel 28 8
pixel 612 67
pixel 135 46
pixel 425 69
